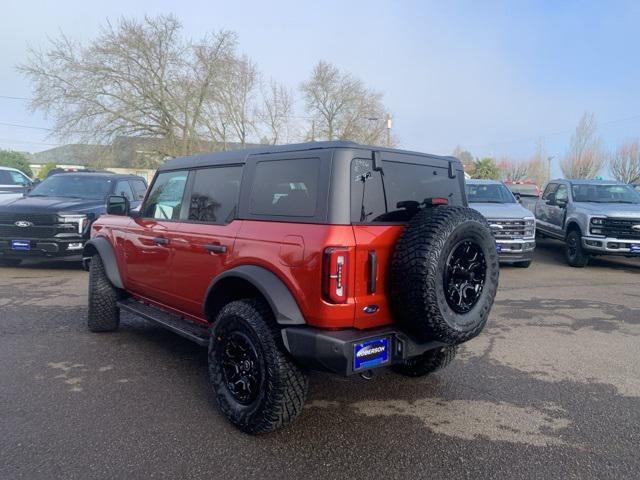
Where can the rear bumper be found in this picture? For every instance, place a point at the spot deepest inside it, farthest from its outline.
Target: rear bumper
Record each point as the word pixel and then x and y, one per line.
pixel 54 248
pixel 350 351
pixel 610 246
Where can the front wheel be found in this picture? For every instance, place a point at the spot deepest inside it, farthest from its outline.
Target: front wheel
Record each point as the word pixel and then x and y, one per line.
pixel 257 385
pixel 576 256
pixel 104 314
pixel 428 362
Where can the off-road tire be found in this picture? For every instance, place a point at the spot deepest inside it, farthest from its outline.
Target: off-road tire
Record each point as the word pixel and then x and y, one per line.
pixel 104 314
pixel 524 264
pixel 427 363
pixel 10 262
pixel 576 256
pixel 418 298
pixel 283 386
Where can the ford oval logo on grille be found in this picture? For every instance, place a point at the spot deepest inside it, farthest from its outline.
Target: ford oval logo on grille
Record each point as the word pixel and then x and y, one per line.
pixel 23 224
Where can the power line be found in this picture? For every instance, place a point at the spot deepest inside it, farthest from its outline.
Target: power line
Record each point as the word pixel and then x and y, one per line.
pixel 553 134
pixel 9 97
pixel 25 126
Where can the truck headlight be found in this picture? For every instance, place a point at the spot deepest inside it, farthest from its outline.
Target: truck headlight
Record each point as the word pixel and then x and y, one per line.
pixel 530 227
pixel 79 220
pixel 596 224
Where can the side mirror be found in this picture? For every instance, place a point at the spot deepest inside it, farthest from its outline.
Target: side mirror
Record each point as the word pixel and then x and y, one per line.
pixel 117 205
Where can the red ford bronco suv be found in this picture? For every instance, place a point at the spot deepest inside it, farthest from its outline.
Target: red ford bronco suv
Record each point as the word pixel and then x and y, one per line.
pixel 325 256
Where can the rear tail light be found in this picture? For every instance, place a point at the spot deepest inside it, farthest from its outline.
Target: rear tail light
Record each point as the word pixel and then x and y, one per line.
pixel 335 274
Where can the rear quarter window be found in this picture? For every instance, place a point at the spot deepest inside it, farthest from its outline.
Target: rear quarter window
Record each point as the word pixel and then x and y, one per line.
pixel 285 188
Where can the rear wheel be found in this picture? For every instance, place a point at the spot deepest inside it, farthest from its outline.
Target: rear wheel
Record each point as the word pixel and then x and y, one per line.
pixel 428 362
pixel 576 256
pixel 257 385
pixel 10 262
pixel 104 314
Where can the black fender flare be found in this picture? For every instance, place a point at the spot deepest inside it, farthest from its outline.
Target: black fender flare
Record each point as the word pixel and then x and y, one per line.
pixel 280 299
pixel 102 247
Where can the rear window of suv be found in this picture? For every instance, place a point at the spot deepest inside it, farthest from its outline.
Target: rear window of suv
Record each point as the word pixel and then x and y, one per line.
pixel 396 195
pixel 287 188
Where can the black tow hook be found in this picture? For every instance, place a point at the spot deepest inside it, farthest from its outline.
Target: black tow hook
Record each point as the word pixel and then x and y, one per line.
pixel 367 375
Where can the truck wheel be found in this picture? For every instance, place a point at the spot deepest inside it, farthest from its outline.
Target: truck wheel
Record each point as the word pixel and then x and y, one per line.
pixel 576 256
pixel 10 262
pixel 428 362
pixel 257 385
pixel 104 314
pixel 525 264
pixel 444 274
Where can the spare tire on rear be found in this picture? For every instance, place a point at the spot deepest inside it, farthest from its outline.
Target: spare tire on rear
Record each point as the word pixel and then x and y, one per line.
pixel 444 274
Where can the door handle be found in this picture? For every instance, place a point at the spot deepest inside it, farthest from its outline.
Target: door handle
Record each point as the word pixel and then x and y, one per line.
pixel 215 248
pixel 161 241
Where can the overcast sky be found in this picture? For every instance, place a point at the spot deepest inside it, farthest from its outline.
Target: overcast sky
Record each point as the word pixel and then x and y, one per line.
pixel 490 76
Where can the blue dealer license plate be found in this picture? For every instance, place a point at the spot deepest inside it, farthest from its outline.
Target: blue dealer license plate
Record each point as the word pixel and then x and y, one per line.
pixel 370 353
pixel 20 245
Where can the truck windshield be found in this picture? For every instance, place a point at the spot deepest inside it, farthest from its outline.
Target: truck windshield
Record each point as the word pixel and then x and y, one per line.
pixel 73 186
pixel 605 193
pixel 489 193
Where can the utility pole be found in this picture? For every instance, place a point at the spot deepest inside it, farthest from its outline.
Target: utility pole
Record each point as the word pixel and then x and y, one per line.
pixel 313 130
pixel 388 130
pixel 549 168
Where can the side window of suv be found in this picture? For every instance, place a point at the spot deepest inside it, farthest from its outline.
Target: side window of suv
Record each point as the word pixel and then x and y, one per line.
pixel 19 179
pixel 367 194
pixel 285 188
pixel 123 188
pixel 165 199
pixel 214 197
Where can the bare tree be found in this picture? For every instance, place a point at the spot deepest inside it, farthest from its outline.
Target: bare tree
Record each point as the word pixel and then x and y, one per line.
pixel 625 162
pixel 137 78
pixel 513 170
pixel 464 156
pixel 585 157
pixel 343 108
pixel 277 112
pixel 538 165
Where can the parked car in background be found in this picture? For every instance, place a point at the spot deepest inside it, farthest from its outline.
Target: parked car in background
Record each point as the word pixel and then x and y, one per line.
pixel 13 182
pixel 53 220
pixel 592 217
pixel 327 256
pixel 513 226
pixel 525 188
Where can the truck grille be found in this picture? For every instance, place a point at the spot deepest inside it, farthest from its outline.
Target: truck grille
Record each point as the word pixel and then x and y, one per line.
pixel 621 228
pixel 43 226
pixel 508 229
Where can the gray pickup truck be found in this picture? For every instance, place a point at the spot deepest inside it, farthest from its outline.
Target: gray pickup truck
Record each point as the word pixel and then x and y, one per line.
pixel 512 225
pixel 592 217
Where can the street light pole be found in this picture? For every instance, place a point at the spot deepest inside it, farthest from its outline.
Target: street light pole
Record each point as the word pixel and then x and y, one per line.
pixel 388 130
pixel 549 168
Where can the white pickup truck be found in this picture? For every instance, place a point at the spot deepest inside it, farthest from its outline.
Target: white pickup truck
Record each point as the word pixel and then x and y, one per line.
pixel 513 226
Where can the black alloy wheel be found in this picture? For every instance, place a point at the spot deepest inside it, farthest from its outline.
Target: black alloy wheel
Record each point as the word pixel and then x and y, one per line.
pixel 464 276
pixel 241 367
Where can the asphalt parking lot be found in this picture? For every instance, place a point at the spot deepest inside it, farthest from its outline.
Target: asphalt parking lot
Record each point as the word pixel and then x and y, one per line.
pixel 551 389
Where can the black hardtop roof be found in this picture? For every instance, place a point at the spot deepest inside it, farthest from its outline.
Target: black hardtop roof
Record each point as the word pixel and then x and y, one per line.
pixel 240 156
